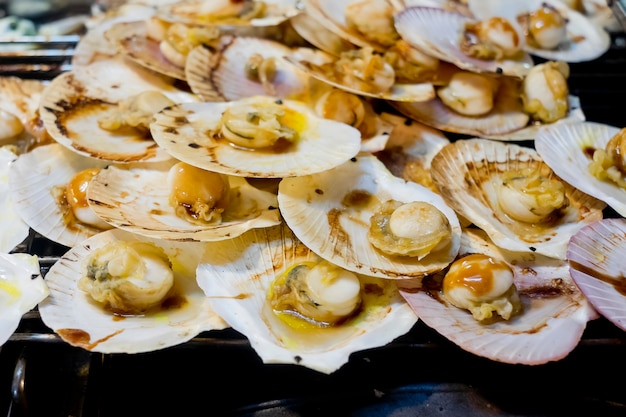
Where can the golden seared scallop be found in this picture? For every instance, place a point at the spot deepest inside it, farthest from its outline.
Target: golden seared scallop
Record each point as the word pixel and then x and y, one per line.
pixel 469 93
pixel 198 195
pixel 409 229
pixel 127 278
pixel 76 197
pixel 494 38
pixel 545 27
pixel 482 285
pixel 545 92
pixel 609 163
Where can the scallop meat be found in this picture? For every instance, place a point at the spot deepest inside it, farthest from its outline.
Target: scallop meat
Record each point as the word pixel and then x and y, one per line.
pixel 552 319
pixel 237 276
pixel 596 261
pixel 512 194
pixel 79 320
pixel 331 212
pixel 194 133
pixel 139 200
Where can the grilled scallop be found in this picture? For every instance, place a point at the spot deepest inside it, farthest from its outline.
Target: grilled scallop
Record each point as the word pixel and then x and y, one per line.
pixel 242 276
pixel 546 328
pixel 509 192
pixel 553 30
pixel 75 104
pixel 21 288
pixel 569 150
pixel 180 203
pixel 82 321
pixel 438 33
pixel 259 137
pixel 38 181
pixel 596 261
pixel 335 211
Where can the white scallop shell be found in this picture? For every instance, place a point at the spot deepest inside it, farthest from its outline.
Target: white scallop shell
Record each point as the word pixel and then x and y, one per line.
pixel 14 228
pixel 313 208
pixel 21 289
pixel 132 41
pixel 597 265
pixel 137 200
pixel 319 36
pixel 565 148
pixel 436 32
pixel 78 320
pixel 309 61
pixel 555 312
pixel 182 131
pixel 34 176
pixel 506 121
pixel 586 40
pixel 468 172
pixel 220 75
pixel 186 11
pixel 74 101
pixel 235 276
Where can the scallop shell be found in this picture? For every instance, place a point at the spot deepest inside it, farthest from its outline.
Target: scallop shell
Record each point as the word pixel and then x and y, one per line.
pixel 555 312
pixel 467 173
pixel 596 259
pixel 137 200
pixel 565 148
pixel 506 121
pixel 14 228
pixel 74 101
pixel 315 208
pixel 21 288
pixel 586 39
pixel 186 11
pixel 79 321
pixel 33 179
pixel 235 276
pixel 323 144
pixel 319 36
pixel 309 61
pixel 220 75
pixel 436 32
pixel 133 42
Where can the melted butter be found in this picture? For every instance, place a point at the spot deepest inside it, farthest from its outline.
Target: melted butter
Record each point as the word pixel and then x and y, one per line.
pixel 10 288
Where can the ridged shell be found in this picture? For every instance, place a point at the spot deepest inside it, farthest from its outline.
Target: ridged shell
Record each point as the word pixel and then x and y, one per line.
pixel 468 172
pixel 554 316
pixel 23 288
pixel 506 121
pixel 14 228
pixel 309 61
pixel 132 41
pixel 137 200
pixel 323 144
pixel 565 148
pixel 436 32
pixel 74 101
pixel 319 36
pixel 33 179
pixel 597 265
pixel 186 11
pixel 220 75
pixel 586 40
pixel 314 208
pixel 235 276
pixel 79 321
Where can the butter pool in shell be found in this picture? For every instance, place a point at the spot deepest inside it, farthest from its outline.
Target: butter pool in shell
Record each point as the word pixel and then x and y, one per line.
pixel 21 288
pixel 469 173
pixel 325 212
pixel 553 317
pixel 79 321
pixel 137 200
pixel 597 265
pixel 74 102
pixel 188 132
pixel 236 274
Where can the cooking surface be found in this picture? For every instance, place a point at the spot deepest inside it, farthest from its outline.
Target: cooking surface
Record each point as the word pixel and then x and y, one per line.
pixel 421 373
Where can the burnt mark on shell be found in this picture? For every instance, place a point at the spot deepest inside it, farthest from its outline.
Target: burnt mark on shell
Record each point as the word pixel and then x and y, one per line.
pixel 618 282
pixel 557 287
pixel 181 120
pixel 171 130
pixel 341 244
pixel 192 145
pixel 297 358
pixel 102 204
pixel 77 337
pixel 319 192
